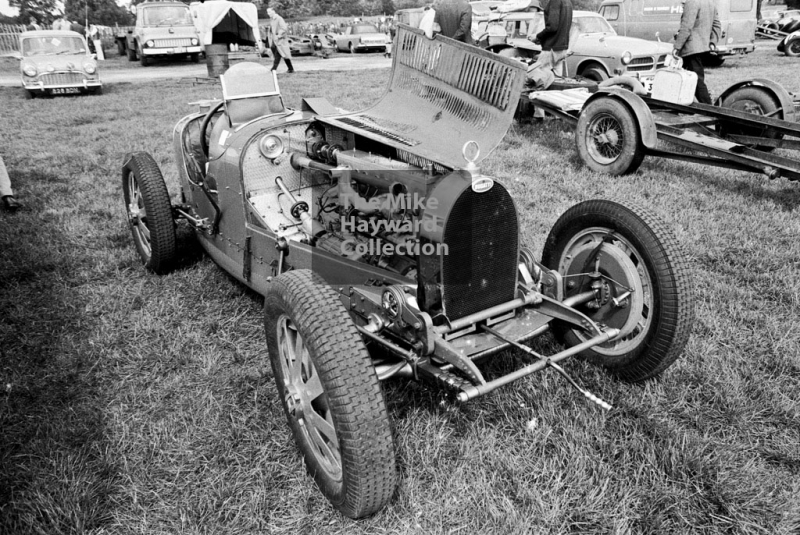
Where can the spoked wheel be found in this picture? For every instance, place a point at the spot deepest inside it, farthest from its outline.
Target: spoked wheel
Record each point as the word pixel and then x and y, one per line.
pixel 633 263
pixel 755 100
pixel 792 48
pixel 330 392
pixel 149 212
pixel 608 138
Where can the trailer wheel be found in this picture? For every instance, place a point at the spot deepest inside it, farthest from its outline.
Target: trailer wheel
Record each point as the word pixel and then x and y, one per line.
pixel 642 266
pixel 330 392
pixel 149 212
pixel 756 100
pixel 792 48
pixel 608 137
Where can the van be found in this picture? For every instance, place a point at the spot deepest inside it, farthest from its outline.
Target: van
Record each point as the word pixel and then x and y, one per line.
pixel 660 20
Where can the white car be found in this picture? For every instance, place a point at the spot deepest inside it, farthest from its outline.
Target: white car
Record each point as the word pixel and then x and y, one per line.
pixel 56 62
pixel 360 37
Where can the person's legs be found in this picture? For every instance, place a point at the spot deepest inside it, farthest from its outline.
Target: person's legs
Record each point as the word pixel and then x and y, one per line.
pixel 694 63
pixel 6 193
pixel 276 58
pixel 5 180
pixel 288 64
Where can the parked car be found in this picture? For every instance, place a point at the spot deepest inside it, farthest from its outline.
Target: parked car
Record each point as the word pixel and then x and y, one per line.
pixel 597 52
pixel 57 62
pixel 361 37
pixel 300 46
pixel 661 19
pixel 379 231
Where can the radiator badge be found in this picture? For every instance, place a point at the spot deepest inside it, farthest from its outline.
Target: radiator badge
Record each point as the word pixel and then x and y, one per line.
pixel 482 184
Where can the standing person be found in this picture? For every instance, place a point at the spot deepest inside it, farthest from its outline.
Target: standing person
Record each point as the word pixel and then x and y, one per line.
pixel 6 194
pixel 700 29
pixel 278 41
pixel 33 25
pixel 554 40
pixel 454 17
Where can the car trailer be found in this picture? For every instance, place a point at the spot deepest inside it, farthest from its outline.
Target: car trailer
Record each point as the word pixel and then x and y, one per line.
pixel 618 126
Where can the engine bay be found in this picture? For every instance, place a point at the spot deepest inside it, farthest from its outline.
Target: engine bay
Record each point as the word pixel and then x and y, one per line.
pixel 341 192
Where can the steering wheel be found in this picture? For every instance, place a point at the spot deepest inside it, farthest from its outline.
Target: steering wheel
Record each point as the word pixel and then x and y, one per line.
pixel 204 126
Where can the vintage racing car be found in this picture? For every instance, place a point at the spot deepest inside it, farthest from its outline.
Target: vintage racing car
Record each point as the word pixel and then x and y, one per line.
pixel 383 250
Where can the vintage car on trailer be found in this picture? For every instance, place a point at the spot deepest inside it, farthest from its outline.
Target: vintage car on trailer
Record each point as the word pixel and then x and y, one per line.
pixel 383 249
pixel 55 62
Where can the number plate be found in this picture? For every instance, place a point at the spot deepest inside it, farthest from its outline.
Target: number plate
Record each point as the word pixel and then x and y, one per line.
pixel 64 90
pixel 180 49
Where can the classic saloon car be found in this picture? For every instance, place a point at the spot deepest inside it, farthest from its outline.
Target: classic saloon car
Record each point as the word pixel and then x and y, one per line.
pixel 57 62
pixel 383 250
pixel 597 52
pixel 361 37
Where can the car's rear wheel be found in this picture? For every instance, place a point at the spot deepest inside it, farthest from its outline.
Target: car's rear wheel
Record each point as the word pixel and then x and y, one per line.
pixel 608 137
pixel 642 287
pixel 149 212
pixel 331 394
pixel 755 100
pixel 596 74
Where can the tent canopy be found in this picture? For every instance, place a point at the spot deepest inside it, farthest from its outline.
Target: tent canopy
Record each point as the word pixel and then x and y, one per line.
pixel 219 21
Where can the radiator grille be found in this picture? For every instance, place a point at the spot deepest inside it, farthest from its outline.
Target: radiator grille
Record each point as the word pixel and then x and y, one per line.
pixel 62 78
pixel 640 65
pixel 171 43
pixel 480 268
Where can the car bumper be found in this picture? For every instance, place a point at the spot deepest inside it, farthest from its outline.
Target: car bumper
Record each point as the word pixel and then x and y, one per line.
pixel 730 50
pixel 172 50
pixel 370 46
pixel 61 88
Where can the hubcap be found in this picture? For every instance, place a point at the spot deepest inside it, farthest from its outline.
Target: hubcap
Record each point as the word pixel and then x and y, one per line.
pixel 306 400
pixel 137 214
pixel 625 290
pixel 605 138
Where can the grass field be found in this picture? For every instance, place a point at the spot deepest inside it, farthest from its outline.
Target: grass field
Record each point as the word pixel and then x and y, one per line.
pixel 133 403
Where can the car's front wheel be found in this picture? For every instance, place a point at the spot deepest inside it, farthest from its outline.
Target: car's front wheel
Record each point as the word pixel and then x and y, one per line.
pixel 132 56
pixel 330 393
pixel 633 263
pixel 149 212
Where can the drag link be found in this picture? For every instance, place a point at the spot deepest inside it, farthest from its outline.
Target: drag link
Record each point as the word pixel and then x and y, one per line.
pixel 588 395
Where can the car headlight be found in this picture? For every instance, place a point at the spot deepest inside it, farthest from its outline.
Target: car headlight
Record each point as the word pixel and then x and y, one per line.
pixel 150 44
pixel 195 42
pixel 626 57
pixel 90 67
pixel 29 69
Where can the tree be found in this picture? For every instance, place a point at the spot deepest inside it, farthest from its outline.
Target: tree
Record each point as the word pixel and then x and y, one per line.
pixel 102 12
pixel 42 11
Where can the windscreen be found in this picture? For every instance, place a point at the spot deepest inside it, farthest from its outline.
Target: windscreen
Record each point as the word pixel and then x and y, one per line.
pixel 167 16
pixel 364 28
pixel 60 45
pixel 592 25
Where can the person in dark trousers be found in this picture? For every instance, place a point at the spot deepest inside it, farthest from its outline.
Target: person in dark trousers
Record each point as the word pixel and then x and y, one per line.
pixel 554 40
pixel 6 194
pixel 699 31
pixel 279 41
pixel 454 17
